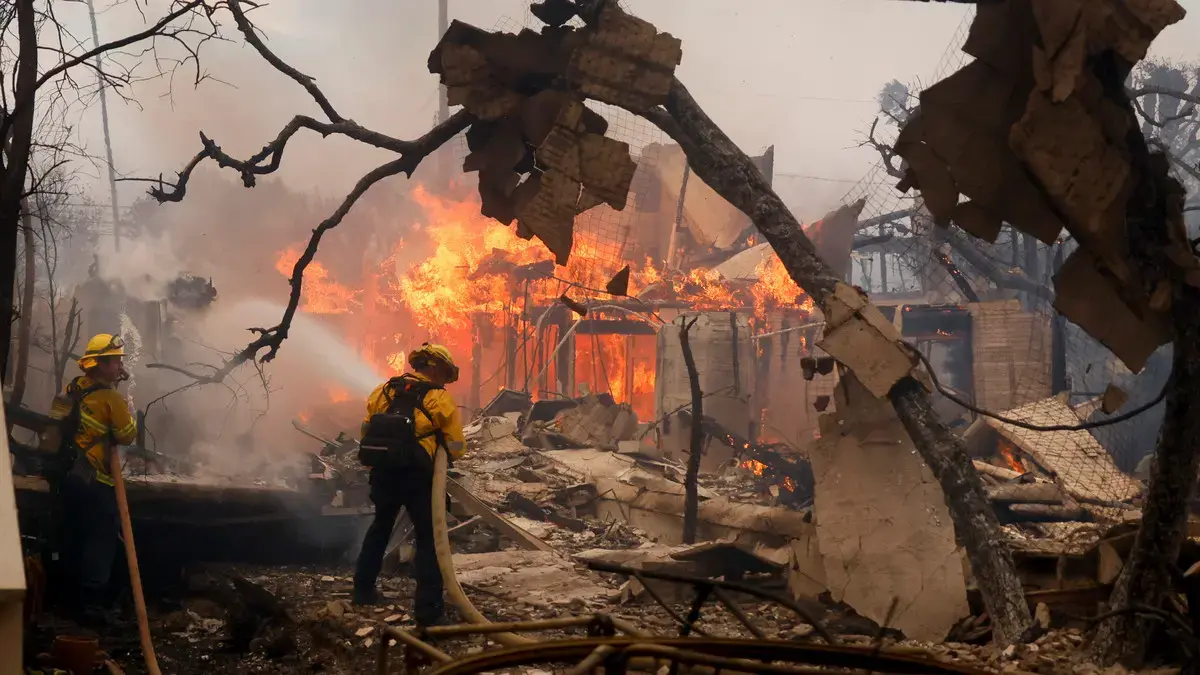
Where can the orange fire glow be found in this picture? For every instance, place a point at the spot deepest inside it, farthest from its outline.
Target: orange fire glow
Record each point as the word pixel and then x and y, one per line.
pixel 756 467
pixel 1007 452
pixel 321 294
pixel 464 280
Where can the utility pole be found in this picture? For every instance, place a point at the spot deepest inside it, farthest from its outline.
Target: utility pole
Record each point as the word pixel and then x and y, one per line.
pixel 444 153
pixel 443 26
pixel 112 172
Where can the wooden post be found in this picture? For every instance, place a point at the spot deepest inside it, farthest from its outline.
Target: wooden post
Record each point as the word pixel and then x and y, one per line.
pixel 476 362
pixel 565 362
pixel 629 369
pixel 762 381
pixel 687 171
pixel 510 353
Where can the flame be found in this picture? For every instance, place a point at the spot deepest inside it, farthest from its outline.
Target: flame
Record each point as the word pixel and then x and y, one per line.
pixel 338 395
pixel 1010 457
pixel 602 362
pixel 788 484
pixel 755 466
pixel 455 275
pixel 321 295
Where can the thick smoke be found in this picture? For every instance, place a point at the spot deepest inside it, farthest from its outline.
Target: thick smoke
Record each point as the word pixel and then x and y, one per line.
pixel 142 267
pixel 243 426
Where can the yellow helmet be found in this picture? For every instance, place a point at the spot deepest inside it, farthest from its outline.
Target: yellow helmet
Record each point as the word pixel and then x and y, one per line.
pixel 100 345
pixel 428 353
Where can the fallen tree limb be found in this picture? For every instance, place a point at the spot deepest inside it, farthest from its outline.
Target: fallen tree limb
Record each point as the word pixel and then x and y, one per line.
pixel 722 165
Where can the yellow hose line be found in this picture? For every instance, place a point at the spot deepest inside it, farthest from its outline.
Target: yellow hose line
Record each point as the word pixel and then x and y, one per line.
pixel 441 542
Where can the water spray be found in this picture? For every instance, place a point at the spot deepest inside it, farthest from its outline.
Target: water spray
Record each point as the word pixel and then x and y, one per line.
pixel 133 355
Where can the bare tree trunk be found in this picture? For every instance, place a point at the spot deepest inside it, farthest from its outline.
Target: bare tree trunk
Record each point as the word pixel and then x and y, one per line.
pixel 1146 578
pixel 12 185
pixel 691 494
pixel 69 339
pixel 722 165
pixel 25 320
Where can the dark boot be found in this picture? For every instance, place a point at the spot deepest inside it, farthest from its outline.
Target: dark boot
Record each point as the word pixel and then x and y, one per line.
pixel 93 611
pixel 366 597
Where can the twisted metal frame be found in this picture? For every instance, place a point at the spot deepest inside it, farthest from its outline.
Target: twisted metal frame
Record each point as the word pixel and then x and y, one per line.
pixel 616 655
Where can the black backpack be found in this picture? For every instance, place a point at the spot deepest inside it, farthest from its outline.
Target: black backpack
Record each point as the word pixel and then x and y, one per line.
pixel 58 437
pixel 390 440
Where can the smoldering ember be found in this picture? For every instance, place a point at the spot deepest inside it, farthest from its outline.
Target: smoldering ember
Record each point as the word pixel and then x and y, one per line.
pixel 597 372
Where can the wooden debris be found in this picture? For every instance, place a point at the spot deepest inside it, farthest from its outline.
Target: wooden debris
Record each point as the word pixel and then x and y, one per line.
pixel 625 61
pixel 860 337
pixel 1092 300
pixel 1076 459
pixel 1114 397
pixel 528 90
pixel 1029 138
pixel 1025 493
pixel 476 507
pixel 833 235
pixel 1042 513
pixel 995 471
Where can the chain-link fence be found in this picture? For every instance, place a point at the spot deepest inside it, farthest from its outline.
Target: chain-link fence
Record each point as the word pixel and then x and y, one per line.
pixel 1028 364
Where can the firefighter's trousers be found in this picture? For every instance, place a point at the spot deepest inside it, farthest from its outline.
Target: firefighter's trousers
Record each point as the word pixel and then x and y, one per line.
pixel 93 530
pixel 411 490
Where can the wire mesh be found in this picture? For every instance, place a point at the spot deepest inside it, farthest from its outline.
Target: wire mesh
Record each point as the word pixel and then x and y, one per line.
pixel 1022 352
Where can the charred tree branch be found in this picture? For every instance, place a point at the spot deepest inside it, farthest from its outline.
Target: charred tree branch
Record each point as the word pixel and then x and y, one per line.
pixel 309 84
pixel 721 164
pixel 885 151
pixel 270 339
pixel 1146 578
pixel 691 499
pixel 26 102
pixel 268 159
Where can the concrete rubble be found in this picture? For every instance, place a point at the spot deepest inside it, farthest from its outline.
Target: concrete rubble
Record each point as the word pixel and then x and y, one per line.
pixel 902 567
pixel 541 495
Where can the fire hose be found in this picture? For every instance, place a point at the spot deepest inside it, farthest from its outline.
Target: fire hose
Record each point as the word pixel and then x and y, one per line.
pixel 441 541
pixel 135 576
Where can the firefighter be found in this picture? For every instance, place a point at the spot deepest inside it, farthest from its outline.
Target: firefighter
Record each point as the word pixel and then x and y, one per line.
pixel 408 418
pixel 89 500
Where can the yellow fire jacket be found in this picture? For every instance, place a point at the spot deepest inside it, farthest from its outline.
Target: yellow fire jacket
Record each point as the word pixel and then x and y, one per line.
pixel 104 420
pixel 440 405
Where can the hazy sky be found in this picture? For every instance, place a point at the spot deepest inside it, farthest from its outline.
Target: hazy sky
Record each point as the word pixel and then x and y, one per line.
pixel 799 74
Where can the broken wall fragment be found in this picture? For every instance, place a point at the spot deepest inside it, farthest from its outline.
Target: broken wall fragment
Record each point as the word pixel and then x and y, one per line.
pixel 882 524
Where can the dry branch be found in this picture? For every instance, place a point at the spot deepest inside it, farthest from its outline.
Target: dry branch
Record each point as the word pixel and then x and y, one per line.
pixel 268 160
pixel 270 339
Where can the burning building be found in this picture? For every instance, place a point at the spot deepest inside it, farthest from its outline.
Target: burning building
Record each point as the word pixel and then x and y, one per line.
pixel 426 265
